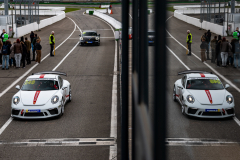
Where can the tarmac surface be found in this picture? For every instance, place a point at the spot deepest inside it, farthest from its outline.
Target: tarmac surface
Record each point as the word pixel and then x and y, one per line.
pixel 90 72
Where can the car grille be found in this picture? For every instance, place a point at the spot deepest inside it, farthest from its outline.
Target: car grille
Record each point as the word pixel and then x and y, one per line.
pixel 230 111
pixel 33 114
pixel 15 112
pixel 192 111
pixel 53 111
pixel 212 114
pixel 89 39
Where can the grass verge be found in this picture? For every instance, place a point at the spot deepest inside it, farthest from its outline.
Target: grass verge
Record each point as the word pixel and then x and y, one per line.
pixel 71 9
pixel 171 9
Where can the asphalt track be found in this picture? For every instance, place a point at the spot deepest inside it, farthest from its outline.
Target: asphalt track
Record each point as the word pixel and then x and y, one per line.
pixel 194 138
pixel 90 72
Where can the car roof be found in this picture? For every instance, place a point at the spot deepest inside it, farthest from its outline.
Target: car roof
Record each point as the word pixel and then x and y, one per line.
pixel 90 31
pixel 43 76
pixel 199 75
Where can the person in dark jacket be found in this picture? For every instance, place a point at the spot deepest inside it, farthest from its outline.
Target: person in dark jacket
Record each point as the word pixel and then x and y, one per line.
pixel 230 55
pixel 38 50
pixel 5 54
pixel 224 48
pixel 24 52
pixel 203 47
pixel 218 52
pixel 32 36
pixel 34 50
pixel 28 45
pixel 18 53
pixel 213 47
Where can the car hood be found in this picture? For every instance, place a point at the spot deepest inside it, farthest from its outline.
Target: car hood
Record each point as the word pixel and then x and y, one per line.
pixel 36 97
pixel 208 96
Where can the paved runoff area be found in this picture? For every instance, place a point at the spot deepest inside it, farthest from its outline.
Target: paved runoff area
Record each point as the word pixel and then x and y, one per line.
pixel 86 130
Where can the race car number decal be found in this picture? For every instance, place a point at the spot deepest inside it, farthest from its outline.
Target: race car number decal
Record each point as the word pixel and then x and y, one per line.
pixel 29 82
pixel 213 81
pixel 212 110
pixel 33 110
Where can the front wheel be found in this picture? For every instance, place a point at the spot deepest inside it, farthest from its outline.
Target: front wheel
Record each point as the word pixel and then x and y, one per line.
pixel 70 96
pixel 183 110
pixel 174 94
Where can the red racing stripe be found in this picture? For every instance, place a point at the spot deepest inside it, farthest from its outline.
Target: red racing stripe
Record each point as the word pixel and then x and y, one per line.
pixel 209 96
pixel 42 76
pixel 36 97
pixel 202 75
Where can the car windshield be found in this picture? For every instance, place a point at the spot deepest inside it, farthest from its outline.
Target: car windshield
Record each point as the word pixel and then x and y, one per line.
pixel 39 85
pixel 204 84
pixel 151 33
pixel 89 34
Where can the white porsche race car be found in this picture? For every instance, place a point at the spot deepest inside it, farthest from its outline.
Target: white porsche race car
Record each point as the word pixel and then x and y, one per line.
pixel 43 95
pixel 202 94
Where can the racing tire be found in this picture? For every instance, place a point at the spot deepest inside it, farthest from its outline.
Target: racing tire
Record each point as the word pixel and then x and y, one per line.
pixel 70 96
pixel 174 94
pixel 62 110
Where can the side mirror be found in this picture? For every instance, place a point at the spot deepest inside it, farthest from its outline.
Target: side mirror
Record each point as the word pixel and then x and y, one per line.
pixel 17 87
pixel 64 88
pixel 227 86
pixel 180 87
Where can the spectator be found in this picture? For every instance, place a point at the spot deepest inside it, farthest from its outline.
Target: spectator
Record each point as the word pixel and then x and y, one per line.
pixel 28 45
pixel 12 56
pixel 218 51
pixel 224 48
pixel 38 37
pixel 189 42
pixel 236 34
pixel 5 55
pixel 209 35
pixel 236 54
pixel 1 44
pixel 32 36
pixel 18 53
pixel 10 52
pixel 52 43
pixel 203 47
pixel 231 53
pixel 2 35
pixel 34 50
pixel 38 50
pixel 24 52
pixel 213 47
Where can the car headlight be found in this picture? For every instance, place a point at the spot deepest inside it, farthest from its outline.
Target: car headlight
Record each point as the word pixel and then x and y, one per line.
pixel 229 99
pixel 97 38
pixel 81 38
pixel 54 99
pixel 190 99
pixel 16 100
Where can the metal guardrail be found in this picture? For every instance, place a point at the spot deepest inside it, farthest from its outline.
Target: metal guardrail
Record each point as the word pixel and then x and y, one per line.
pixel 148 137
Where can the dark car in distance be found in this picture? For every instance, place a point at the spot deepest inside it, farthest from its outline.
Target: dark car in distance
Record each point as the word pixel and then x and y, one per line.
pixel 89 37
pixel 151 37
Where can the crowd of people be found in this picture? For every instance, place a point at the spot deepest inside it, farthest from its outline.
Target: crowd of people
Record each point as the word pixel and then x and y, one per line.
pixel 18 54
pixel 223 52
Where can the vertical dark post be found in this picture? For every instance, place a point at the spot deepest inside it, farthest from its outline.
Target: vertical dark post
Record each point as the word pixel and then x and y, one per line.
pixel 232 6
pixel 160 74
pixel 20 7
pixel 135 63
pixel 6 7
pixel 143 52
pixel 25 17
pixel 125 48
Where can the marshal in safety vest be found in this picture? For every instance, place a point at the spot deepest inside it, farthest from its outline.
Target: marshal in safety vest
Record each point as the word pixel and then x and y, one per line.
pixel 50 39
pixel 5 37
pixel 235 35
pixel 190 41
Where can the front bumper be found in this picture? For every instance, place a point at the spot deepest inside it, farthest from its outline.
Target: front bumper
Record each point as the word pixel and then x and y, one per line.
pixel 33 112
pixel 209 111
pixel 89 42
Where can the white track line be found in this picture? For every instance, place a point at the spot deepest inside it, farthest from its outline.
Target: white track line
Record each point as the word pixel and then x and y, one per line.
pixel 113 129
pixel 14 83
pixel 216 72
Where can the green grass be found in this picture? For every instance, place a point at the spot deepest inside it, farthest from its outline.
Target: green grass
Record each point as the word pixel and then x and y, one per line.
pixel 71 9
pixel 93 7
pixel 171 9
